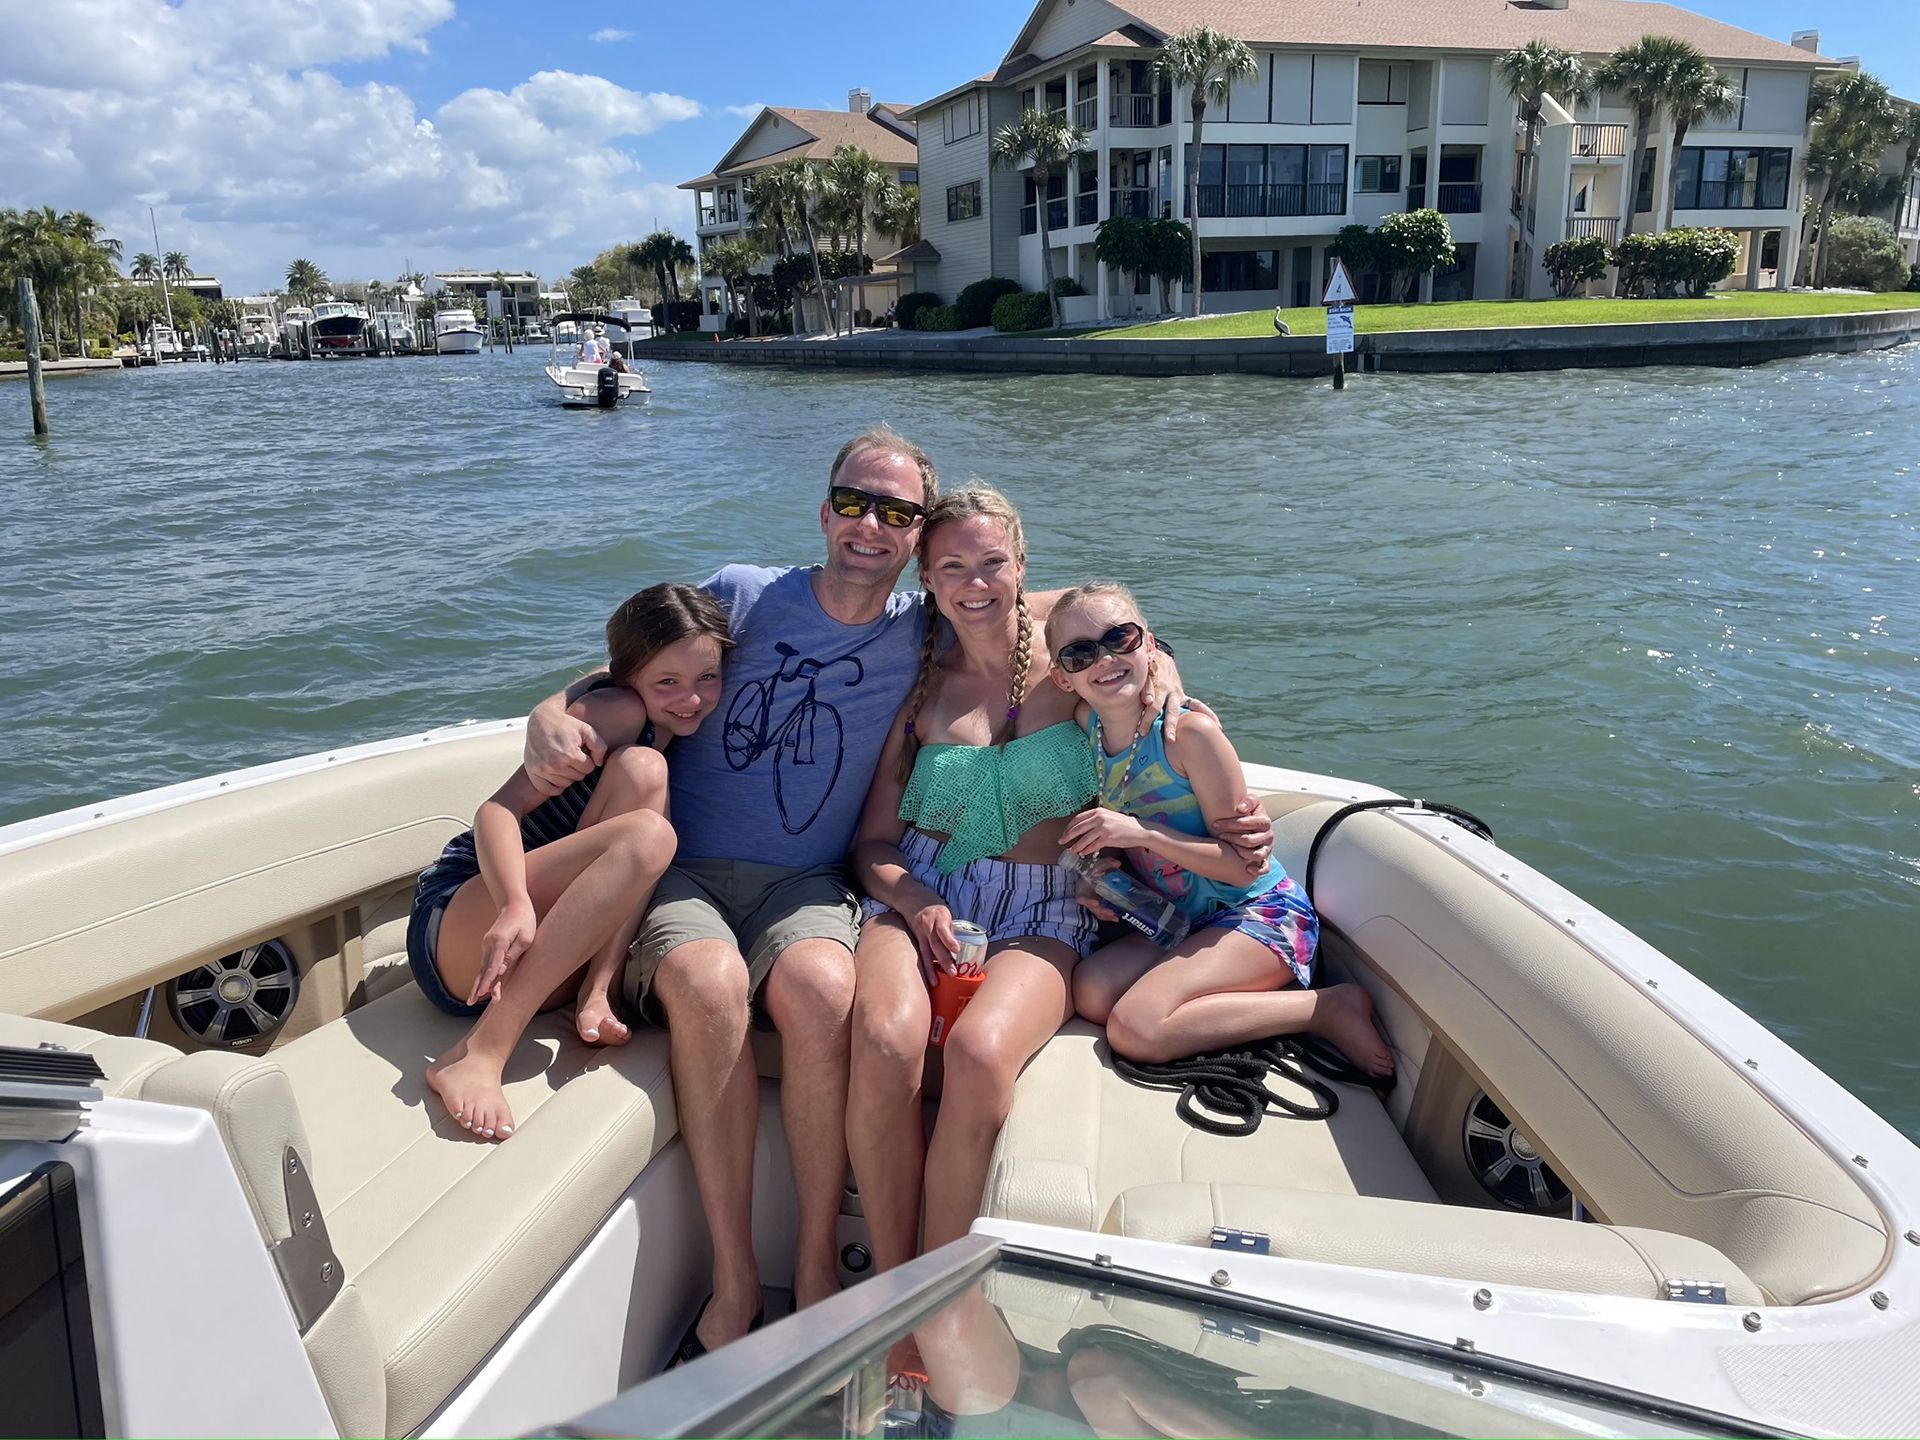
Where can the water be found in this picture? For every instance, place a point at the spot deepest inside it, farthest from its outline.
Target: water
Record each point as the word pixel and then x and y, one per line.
pixel 1660 627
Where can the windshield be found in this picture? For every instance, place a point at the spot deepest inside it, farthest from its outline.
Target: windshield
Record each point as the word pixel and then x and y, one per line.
pixel 1027 1349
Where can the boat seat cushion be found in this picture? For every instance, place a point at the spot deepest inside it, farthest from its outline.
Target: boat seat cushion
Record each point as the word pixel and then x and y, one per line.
pixel 127 1061
pixel 1079 1135
pixel 1494 1247
pixel 449 1239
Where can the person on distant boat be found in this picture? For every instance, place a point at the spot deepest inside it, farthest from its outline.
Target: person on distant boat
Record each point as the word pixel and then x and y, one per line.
pixel 593 347
pixel 1244 970
pixel 538 902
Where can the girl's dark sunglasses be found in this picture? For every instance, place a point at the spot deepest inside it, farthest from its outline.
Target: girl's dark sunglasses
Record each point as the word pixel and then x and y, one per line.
pixel 852 504
pixel 1077 655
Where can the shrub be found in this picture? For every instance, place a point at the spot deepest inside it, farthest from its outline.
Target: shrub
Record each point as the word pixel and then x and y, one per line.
pixel 1661 265
pixel 1028 311
pixel 1411 243
pixel 1571 263
pixel 1913 278
pixel 910 305
pixel 939 317
pixel 1354 245
pixel 1864 253
pixel 1638 257
pixel 976 302
pixel 1065 285
pixel 679 314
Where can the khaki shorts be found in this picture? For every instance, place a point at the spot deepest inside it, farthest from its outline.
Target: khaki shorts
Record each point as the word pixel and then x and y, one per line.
pixel 758 909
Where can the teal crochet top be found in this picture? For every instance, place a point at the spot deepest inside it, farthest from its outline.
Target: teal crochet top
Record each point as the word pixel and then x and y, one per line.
pixel 985 797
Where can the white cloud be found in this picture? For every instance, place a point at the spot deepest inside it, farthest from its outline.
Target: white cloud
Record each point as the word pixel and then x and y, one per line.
pixel 610 37
pixel 223 118
pixel 745 112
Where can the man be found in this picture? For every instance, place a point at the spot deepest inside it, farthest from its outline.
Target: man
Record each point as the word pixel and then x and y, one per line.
pixel 765 797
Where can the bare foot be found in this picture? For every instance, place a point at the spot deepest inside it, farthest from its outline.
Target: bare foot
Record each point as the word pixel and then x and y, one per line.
pixel 470 1089
pixel 1344 1018
pixel 594 1018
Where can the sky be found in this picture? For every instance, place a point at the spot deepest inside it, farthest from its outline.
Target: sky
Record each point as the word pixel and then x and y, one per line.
pixel 375 137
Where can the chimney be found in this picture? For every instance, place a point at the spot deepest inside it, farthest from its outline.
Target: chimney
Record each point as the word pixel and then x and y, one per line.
pixel 860 100
pixel 1550 4
pixel 1848 62
pixel 1808 40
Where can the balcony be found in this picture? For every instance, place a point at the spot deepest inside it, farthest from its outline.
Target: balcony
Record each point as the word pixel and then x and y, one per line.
pixel 1086 114
pixel 1317 198
pixel 1607 227
pixel 1458 198
pixel 1135 112
pixel 1056 217
pixel 708 215
pixel 1134 201
pixel 1599 142
pixel 1086 208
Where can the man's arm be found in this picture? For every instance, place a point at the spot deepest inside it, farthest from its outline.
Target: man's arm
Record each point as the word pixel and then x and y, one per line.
pixel 562 744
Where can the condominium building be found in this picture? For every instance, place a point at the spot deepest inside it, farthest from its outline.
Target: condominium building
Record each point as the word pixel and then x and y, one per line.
pixel 519 290
pixel 782 132
pixel 1359 108
pixel 1902 210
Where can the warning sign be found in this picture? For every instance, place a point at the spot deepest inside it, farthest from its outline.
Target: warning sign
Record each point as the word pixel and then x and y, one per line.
pixel 1339 329
pixel 1339 286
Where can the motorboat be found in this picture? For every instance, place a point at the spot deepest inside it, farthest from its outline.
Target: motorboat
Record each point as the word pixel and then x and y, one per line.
pixel 587 385
pixel 627 321
pixel 294 339
pixel 566 332
pixel 258 328
pixel 163 344
pixel 339 328
pixel 457 332
pixel 1599 1199
pixel 391 333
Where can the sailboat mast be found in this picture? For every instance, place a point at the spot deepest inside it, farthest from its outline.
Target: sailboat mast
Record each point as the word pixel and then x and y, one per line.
pixel 163 273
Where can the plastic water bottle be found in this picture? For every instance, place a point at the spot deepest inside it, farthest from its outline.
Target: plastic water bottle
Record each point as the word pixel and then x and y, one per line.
pixel 1137 903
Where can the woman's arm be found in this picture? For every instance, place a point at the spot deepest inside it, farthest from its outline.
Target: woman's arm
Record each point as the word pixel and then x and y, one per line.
pixel 560 746
pixel 882 869
pixel 1205 755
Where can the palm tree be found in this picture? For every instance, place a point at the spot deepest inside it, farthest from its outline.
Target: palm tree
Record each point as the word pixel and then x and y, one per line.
pixel 32 244
pixel 896 212
pixel 680 257
pixel 853 178
pixel 1047 142
pixel 92 260
pixel 1532 73
pixel 1855 118
pixel 1207 64
pixel 1907 128
pixel 733 260
pixel 175 266
pixel 799 183
pixel 770 200
pixel 1644 73
pixel 305 280
pixel 1699 92
pixel 144 267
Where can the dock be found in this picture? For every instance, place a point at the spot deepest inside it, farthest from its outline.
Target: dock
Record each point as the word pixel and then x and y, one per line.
pixel 11 368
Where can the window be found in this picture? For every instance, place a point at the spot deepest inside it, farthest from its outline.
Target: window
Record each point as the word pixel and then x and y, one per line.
pixel 1056 205
pixel 1272 179
pixel 1377 175
pixel 1643 191
pixel 963 201
pixel 1240 270
pixel 909 177
pixel 962 118
pixel 1710 178
pixel 1026 98
pixel 1384 82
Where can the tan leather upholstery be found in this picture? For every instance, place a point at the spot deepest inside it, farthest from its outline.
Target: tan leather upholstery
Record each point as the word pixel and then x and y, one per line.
pixel 1079 1135
pixel 1651 1127
pixel 126 1061
pixel 1497 1247
pixel 447 1239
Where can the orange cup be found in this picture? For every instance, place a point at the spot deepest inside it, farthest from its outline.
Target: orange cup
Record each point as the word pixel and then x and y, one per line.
pixel 951 993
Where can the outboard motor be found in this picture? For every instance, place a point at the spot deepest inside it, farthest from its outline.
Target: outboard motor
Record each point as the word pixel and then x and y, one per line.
pixel 609 387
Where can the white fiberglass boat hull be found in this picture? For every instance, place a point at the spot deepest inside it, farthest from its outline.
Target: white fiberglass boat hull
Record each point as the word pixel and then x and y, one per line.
pixel 579 385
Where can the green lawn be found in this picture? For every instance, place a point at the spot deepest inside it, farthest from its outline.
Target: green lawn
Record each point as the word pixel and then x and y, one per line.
pixel 1499 314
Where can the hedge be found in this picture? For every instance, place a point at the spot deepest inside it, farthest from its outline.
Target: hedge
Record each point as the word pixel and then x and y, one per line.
pixel 1028 311
pixel 910 305
pixel 976 302
pixel 939 317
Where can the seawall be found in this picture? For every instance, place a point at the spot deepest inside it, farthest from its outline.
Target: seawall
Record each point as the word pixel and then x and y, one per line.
pixel 1541 347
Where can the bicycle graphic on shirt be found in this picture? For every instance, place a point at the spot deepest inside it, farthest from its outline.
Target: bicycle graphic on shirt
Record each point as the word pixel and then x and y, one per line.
pixel 806 741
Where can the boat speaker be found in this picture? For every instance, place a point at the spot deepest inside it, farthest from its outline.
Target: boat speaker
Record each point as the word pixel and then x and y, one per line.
pixel 238 999
pixel 1506 1164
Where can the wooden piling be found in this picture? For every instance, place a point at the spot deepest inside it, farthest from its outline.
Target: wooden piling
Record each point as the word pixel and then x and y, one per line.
pixel 36 382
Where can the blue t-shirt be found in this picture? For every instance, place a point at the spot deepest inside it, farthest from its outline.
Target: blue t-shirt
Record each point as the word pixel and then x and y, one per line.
pixel 779 774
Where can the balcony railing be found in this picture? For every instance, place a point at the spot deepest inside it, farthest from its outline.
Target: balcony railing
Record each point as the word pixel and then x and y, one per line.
pixel 1086 208
pixel 1056 217
pixel 708 215
pixel 1134 201
pixel 1136 112
pixel 1607 227
pixel 1086 114
pixel 1417 196
pixel 1457 198
pixel 1317 198
pixel 1599 142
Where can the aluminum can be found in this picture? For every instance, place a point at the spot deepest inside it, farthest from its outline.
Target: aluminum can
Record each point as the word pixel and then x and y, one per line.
pixel 971 959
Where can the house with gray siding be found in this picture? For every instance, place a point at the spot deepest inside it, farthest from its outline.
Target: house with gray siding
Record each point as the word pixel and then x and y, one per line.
pixel 1360 108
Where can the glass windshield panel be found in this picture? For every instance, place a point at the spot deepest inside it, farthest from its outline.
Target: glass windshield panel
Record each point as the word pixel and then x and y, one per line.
pixel 1028 1351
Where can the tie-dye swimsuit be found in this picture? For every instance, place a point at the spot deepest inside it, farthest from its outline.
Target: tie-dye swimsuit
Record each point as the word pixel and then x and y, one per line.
pixel 1141 781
